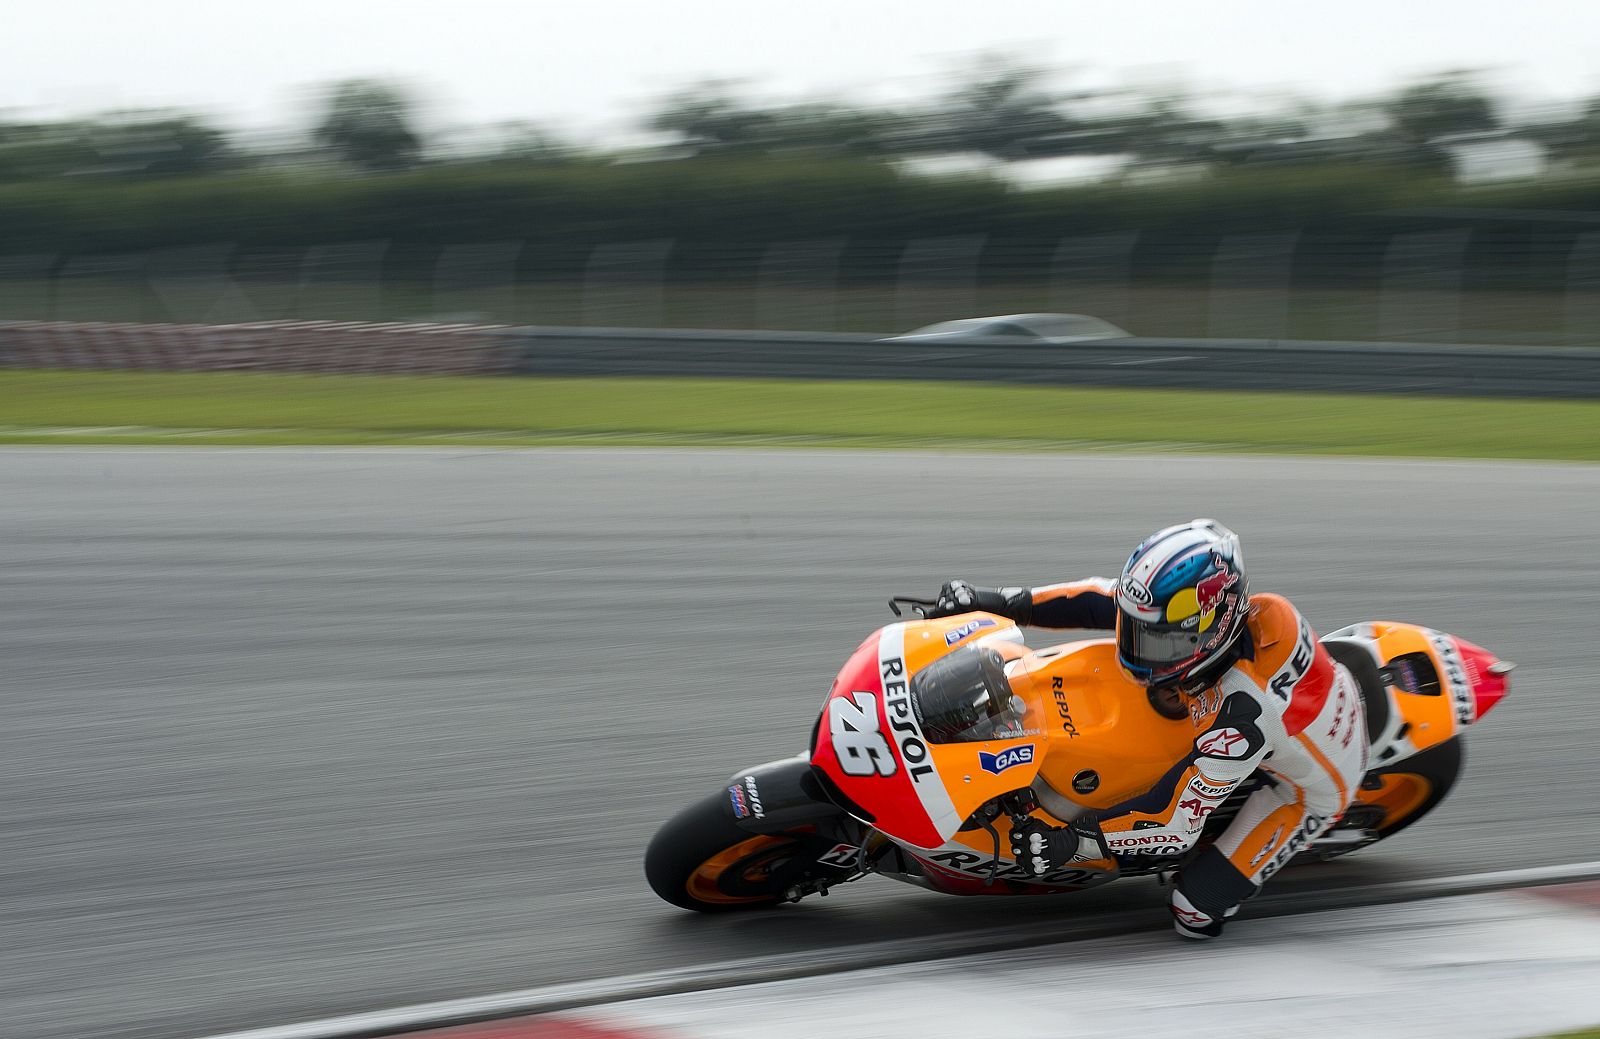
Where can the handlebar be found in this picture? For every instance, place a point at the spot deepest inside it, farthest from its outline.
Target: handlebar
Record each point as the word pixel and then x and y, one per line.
pixel 921 606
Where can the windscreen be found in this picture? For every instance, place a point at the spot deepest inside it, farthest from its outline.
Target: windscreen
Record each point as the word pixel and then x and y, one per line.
pixel 964 697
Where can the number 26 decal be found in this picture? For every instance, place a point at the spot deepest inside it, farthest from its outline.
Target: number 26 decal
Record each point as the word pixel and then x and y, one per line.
pixel 862 750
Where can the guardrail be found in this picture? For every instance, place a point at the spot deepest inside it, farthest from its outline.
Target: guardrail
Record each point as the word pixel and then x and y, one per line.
pixel 333 347
pixel 399 348
pixel 1405 368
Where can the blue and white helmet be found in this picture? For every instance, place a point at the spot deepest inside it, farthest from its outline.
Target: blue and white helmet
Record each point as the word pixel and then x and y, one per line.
pixel 1182 603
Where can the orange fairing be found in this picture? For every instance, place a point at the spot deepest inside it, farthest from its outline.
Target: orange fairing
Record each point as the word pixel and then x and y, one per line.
pixel 1089 729
pixel 1466 682
pixel 1439 684
pixel 1107 744
pixel 871 745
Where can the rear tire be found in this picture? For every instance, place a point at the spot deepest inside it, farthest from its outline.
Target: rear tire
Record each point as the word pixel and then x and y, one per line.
pixel 1393 798
pixel 1412 788
pixel 702 860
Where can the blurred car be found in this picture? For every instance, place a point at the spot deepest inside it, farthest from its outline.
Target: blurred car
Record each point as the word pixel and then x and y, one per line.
pixel 1048 328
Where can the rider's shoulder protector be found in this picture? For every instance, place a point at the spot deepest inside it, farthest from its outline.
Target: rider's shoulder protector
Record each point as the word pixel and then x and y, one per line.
pixel 1290 668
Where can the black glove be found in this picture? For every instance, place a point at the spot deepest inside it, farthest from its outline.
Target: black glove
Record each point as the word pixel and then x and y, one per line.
pixel 1041 849
pixel 960 597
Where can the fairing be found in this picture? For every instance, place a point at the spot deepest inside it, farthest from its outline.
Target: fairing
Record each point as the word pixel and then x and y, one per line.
pixel 872 747
pixel 1458 685
pixel 1089 739
pixel 1489 676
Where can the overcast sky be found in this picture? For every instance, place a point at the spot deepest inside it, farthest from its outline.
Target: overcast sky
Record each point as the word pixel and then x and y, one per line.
pixel 592 67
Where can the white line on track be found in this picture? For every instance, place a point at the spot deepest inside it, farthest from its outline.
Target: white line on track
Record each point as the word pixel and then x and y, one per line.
pixel 782 967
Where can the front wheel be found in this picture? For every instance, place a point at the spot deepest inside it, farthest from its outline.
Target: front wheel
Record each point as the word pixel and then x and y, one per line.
pixel 702 860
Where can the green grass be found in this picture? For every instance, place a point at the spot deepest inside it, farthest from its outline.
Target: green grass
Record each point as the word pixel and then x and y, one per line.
pixel 216 408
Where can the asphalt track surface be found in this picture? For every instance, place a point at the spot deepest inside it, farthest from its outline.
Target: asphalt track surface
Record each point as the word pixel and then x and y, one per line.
pixel 294 733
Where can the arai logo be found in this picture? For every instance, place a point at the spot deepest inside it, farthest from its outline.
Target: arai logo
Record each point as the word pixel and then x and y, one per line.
pixel 1135 592
pixel 998 763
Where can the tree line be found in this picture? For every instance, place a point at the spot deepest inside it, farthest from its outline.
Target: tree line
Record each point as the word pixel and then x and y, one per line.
pixel 999 109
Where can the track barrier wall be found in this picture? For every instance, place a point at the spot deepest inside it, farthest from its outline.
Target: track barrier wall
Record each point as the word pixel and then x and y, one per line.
pixel 1523 278
pixel 468 349
pixel 270 346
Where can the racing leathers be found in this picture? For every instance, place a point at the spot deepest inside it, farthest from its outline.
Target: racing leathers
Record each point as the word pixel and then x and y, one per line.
pixel 1285 708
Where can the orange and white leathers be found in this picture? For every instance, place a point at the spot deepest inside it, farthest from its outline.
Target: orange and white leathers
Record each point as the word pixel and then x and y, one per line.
pixel 1287 709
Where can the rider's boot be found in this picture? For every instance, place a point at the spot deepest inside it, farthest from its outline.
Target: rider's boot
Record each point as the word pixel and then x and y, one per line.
pixel 1191 922
pixel 1206 894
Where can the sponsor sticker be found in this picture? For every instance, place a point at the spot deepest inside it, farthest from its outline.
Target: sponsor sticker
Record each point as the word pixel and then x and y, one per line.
pixel 1198 810
pixel 1310 827
pixel 1134 591
pixel 736 798
pixel 840 856
pixel 1342 729
pixel 1272 842
pixel 970 864
pixel 1059 692
pixel 754 797
pixel 1204 705
pixel 1146 840
pixel 1208 791
pixel 907 735
pixel 1009 758
pixel 1086 782
pixel 1455 674
pixel 1224 743
pixel 1209 591
pixel 952 637
pixel 1299 662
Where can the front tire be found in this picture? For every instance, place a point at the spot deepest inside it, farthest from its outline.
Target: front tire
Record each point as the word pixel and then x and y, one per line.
pixel 702 860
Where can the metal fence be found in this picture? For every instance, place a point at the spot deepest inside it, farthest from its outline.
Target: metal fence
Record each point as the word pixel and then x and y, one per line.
pixel 1439 283
pixel 1401 368
pixel 400 348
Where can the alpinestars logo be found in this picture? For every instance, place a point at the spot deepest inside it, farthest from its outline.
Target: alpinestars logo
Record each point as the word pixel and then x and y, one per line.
pixel 1224 743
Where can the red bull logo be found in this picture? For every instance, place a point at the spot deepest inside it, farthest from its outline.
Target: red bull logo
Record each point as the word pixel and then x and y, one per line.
pixel 1209 590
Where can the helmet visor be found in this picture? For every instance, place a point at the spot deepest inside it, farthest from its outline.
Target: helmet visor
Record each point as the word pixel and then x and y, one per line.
pixel 966 697
pixel 1158 648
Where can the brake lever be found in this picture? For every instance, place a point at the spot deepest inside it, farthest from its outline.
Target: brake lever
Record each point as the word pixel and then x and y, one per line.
pixel 922 606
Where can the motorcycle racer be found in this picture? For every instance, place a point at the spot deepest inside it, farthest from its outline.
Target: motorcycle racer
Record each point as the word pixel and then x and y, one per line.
pixel 1263 693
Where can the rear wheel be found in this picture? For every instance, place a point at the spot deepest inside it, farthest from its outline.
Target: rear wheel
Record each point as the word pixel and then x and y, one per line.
pixel 702 860
pixel 1410 789
pixel 1389 800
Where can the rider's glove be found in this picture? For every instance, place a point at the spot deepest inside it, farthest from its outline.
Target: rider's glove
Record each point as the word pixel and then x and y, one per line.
pixel 1041 849
pixel 960 597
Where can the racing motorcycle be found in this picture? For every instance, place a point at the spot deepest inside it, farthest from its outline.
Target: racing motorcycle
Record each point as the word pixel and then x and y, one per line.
pixel 941 736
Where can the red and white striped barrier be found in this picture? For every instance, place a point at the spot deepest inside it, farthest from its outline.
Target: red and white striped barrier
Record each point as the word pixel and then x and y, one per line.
pixel 345 347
